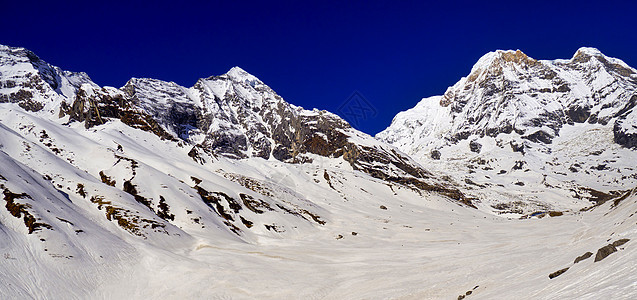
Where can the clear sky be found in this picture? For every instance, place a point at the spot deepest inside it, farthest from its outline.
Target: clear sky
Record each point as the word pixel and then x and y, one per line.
pixel 314 54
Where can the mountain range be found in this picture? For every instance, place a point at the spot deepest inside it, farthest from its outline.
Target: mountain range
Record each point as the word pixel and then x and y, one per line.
pixel 519 173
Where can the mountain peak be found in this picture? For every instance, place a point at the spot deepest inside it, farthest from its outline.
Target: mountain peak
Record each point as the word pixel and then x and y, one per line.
pixel 498 57
pixel 241 75
pixel 590 51
pixel 236 69
pixel 507 91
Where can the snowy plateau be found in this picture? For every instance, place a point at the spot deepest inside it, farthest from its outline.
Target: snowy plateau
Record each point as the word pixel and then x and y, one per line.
pixel 519 182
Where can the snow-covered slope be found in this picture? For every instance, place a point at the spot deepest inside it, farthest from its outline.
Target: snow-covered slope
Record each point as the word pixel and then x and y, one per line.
pixel 224 190
pixel 529 135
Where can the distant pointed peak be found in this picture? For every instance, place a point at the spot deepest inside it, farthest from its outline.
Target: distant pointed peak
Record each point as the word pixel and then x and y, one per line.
pixel 240 74
pixel 237 70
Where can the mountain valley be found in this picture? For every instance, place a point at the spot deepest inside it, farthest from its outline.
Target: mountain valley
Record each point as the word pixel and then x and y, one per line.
pixel 520 181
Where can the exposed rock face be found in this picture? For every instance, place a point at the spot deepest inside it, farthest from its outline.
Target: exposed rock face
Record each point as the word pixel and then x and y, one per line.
pixel 583 257
pixel 475 146
pixel 609 249
pixel 625 126
pixel 98 106
pixel 558 273
pixel 435 154
pixel 238 116
pixel 605 252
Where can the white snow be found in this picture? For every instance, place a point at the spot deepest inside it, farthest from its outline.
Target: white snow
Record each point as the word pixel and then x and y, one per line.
pixel 380 239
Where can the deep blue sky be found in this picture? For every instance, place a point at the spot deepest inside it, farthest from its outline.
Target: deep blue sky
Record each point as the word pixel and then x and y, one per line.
pixel 314 54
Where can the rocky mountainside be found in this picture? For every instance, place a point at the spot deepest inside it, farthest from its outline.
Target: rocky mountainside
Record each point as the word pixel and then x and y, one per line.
pixel 234 115
pixel 169 163
pixel 529 126
pixel 225 190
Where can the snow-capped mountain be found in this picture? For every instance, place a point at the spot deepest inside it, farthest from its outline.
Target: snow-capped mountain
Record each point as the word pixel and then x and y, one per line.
pixel 508 91
pixel 220 119
pixel 540 132
pixel 225 190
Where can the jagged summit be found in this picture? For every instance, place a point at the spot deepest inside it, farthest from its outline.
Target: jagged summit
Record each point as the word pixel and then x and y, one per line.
pixel 240 74
pixel 499 58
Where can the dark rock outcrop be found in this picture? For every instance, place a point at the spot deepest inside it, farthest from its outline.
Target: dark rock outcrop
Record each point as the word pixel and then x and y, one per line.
pixel 435 154
pixel 557 273
pixel 474 146
pixel 583 257
pixel 605 252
